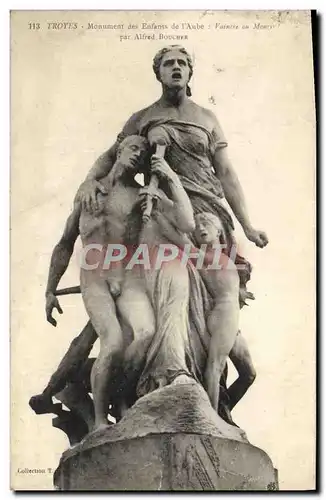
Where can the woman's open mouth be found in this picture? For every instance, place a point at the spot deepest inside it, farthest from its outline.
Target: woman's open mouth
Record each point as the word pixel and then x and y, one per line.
pixel 176 76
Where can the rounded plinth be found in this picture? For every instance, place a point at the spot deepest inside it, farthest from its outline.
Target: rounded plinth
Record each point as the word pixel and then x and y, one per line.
pixel 167 462
pixel 171 439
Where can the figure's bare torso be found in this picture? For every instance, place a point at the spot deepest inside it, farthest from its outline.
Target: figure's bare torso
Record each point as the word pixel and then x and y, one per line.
pixel 108 226
pixel 211 279
pixel 215 270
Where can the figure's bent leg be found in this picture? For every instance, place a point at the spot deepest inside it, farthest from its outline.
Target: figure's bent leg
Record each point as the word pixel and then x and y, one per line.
pixel 222 324
pixel 240 357
pixel 137 316
pixel 102 312
pixel 77 399
pixel 77 353
pixel 76 394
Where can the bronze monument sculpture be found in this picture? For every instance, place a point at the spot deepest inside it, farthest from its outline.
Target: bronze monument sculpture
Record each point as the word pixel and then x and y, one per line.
pixel 163 286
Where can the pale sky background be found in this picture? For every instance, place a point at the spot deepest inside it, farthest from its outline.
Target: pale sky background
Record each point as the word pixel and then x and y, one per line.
pixel 72 92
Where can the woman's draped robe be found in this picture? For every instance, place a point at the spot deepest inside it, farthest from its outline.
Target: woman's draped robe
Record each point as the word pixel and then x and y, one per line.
pixel 190 152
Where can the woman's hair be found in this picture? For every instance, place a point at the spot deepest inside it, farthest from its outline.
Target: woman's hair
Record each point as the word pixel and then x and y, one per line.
pixel 159 56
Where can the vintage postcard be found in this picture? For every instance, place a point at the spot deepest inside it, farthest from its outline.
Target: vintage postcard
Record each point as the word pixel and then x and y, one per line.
pixel 162 180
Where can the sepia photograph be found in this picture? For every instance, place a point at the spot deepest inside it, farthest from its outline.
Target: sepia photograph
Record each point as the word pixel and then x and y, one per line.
pixel 163 239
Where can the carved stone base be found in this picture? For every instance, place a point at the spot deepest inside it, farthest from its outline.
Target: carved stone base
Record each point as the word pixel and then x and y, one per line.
pixel 171 439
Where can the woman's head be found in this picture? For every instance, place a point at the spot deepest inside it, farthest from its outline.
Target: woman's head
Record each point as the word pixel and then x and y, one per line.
pixel 173 67
pixel 209 229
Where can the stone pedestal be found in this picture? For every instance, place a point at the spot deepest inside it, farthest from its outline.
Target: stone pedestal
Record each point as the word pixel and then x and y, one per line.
pixel 169 440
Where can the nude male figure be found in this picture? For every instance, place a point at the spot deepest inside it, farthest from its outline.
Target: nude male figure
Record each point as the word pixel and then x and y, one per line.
pixel 98 284
pixel 130 298
pixel 223 286
pixel 226 340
